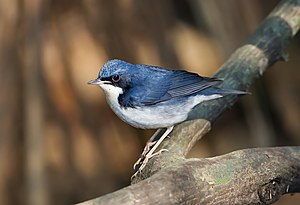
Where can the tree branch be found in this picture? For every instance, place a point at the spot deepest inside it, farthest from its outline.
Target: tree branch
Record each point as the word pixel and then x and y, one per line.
pixel 250 176
pixel 242 177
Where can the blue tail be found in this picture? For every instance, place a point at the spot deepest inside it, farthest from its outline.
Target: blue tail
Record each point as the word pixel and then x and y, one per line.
pixel 221 91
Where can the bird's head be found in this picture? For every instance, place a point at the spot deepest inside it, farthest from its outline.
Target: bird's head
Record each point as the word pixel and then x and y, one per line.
pixel 114 77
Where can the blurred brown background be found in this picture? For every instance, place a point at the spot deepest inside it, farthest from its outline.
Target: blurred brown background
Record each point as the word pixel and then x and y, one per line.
pixel 59 141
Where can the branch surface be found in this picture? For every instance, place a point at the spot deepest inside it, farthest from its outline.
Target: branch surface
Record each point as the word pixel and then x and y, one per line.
pixel 251 176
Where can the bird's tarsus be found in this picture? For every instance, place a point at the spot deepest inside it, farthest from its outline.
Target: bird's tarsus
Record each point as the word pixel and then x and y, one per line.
pixel 149 149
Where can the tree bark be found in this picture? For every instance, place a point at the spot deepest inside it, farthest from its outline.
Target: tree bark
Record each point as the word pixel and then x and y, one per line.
pixel 252 176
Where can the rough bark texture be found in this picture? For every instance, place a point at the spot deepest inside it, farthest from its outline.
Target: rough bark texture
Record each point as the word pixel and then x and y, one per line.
pixel 253 176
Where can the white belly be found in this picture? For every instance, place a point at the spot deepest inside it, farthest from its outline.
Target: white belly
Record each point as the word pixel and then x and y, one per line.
pixel 162 115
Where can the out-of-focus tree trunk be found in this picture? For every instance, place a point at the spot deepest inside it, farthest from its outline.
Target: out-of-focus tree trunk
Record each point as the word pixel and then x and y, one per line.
pixel 10 109
pixel 231 23
pixel 36 188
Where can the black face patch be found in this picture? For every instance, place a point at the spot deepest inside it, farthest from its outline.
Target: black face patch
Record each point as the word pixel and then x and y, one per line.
pixel 106 79
pixel 117 80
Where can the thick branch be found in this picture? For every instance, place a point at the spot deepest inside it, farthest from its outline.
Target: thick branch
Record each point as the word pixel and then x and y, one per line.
pixel 252 176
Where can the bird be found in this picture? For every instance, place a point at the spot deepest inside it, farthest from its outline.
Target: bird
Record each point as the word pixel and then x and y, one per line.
pixel 152 97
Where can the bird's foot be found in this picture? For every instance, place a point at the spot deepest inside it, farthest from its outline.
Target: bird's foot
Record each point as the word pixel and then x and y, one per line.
pixel 149 156
pixel 142 162
pixel 147 148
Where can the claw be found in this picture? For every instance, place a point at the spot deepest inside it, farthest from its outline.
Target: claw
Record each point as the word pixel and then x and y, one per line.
pixel 144 162
pixel 137 163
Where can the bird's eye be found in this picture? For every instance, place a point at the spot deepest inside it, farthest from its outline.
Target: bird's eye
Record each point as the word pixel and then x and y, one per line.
pixel 116 78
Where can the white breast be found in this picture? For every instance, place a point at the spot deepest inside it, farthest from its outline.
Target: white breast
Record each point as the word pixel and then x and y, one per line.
pixel 152 117
pixel 112 93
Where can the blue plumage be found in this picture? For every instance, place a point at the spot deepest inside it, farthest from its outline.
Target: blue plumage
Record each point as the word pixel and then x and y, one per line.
pixel 153 97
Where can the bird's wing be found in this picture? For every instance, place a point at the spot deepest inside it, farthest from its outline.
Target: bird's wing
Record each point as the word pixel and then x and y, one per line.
pixel 178 84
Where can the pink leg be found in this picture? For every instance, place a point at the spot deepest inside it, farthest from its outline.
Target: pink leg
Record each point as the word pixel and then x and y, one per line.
pixel 143 160
pixel 148 146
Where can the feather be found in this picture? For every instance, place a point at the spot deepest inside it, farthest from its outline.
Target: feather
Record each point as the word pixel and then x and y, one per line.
pixel 177 84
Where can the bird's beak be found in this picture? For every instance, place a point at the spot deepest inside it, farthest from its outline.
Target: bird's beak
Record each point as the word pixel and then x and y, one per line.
pixel 97 81
pixel 94 82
